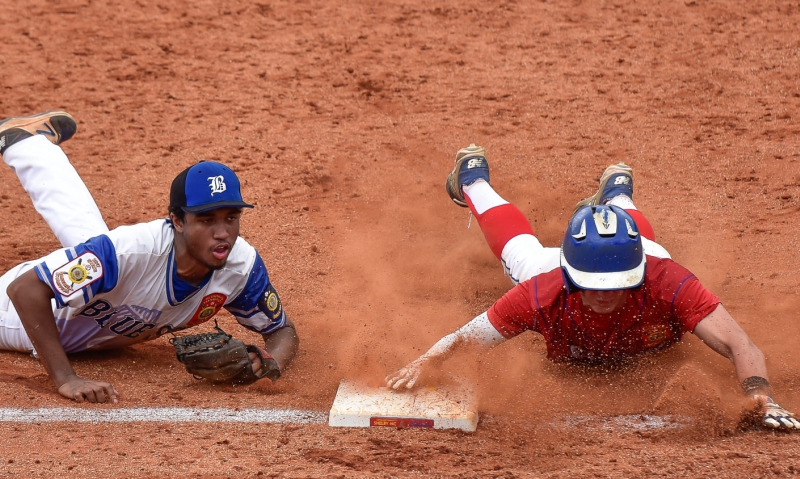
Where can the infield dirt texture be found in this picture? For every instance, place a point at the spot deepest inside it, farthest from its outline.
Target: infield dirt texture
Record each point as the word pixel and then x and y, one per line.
pixel 342 119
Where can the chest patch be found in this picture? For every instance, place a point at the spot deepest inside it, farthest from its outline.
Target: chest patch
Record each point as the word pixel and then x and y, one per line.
pixel 656 334
pixel 209 306
pixel 77 274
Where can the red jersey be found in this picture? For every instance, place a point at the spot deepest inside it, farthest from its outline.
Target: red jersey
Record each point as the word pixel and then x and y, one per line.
pixel 670 302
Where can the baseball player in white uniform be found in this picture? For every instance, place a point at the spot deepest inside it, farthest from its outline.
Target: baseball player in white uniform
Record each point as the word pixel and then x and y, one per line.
pixel 108 289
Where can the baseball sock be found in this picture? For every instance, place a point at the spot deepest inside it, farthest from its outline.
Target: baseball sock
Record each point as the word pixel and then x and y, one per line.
pixel 499 220
pixel 624 202
pixel 482 197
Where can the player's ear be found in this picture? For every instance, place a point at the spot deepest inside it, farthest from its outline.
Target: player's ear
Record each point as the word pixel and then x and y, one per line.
pixel 176 222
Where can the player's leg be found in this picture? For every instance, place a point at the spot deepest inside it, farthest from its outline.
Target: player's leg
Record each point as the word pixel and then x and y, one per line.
pixel 12 334
pixel 509 234
pixel 626 203
pixel 616 189
pixel 29 145
pixel 505 227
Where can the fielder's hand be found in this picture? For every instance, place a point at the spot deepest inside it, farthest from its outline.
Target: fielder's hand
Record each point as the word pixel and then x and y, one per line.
pixel 407 376
pixel 777 417
pixel 82 390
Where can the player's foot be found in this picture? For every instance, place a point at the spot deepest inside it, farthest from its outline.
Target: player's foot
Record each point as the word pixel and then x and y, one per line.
pixel 616 180
pixel 56 125
pixel 470 166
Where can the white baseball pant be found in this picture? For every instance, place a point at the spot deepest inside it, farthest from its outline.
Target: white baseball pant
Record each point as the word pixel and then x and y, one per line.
pixel 61 197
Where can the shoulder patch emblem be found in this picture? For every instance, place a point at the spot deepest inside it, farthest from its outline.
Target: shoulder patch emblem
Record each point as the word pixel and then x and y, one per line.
pixel 209 306
pixel 77 274
pixel 270 304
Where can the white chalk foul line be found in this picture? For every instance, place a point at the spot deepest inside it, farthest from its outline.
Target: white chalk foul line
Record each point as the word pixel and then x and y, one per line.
pixel 166 414
pixel 286 416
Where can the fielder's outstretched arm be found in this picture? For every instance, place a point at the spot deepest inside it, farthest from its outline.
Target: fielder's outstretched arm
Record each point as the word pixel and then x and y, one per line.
pixel 479 332
pixel 31 298
pixel 723 334
pixel 282 345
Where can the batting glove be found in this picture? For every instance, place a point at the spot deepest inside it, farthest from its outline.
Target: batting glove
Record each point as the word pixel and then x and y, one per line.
pixel 777 417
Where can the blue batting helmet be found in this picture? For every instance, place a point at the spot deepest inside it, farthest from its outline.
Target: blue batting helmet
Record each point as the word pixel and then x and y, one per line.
pixel 602 249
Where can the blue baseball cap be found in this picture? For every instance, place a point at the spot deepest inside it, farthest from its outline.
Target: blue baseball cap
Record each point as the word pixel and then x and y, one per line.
pixel 206 186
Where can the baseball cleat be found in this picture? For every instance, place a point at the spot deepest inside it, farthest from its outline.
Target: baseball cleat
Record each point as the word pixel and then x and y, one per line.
pixel 56 125
pixel 470 166
pixel 616 180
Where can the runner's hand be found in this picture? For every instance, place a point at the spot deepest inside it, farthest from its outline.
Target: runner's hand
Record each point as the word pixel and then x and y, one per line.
pixel 407 376
pixel 777 417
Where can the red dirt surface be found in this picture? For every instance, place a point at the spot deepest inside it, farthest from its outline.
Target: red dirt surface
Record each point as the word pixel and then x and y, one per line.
pixel 342 118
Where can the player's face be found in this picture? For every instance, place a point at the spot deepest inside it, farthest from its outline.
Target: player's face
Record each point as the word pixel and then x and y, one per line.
pixel 210 236
pixel 604 302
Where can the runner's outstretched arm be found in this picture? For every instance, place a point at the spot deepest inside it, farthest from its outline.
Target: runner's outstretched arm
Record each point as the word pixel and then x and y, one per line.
pixel 723 334
pixel 478 332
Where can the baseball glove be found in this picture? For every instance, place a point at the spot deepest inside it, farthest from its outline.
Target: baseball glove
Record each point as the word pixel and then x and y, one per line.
pixel 218 357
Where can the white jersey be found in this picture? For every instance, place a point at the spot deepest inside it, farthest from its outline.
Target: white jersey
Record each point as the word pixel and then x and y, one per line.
pixel 122 288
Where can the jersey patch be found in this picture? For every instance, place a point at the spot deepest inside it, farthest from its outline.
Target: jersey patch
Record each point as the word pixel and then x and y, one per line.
pixel 209 306
pixel 655 334
pixel 77 274
pixel 270 304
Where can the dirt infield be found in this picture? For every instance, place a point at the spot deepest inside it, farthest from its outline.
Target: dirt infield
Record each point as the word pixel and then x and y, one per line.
pixel 341 119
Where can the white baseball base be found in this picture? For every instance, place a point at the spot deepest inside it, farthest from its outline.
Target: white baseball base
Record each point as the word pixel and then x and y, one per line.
pixel 357 405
